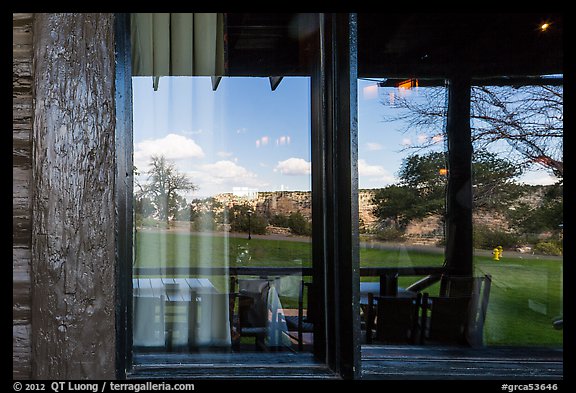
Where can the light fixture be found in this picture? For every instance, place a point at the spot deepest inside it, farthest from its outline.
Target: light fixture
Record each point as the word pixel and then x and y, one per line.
pixel 544 26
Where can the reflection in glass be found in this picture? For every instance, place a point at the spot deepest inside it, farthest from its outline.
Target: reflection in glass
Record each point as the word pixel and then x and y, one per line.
pixel 402 183
pixel 516 292
pixel 222 214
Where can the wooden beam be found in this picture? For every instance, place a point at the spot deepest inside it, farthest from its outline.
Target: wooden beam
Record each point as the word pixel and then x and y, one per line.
pixel 459 248
pixel 73 254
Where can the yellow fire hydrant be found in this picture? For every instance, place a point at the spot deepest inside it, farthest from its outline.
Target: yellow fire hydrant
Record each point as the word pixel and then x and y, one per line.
pixel 497 252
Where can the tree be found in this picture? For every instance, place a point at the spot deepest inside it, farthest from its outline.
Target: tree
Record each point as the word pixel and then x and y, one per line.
pixel 205 214
pixel 299 225
pixel 546 215
pixel 422 186
pixel 243 219
pixel 164 182
pixel 395 203
pixel 526 120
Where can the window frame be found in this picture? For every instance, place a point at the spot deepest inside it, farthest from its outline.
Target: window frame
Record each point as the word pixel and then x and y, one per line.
pixel 334 151
pixel 334 74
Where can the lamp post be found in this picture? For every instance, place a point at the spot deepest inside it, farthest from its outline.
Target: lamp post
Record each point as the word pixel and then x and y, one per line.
pixel 249 214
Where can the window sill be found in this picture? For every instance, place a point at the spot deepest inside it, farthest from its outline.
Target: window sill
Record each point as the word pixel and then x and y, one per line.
pixel 415 362
pixel 273 365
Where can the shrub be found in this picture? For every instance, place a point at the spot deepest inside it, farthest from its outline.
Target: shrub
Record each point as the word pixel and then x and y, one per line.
pixel 548 248
pixel 486 238
pixel 390 235
pixel 299 225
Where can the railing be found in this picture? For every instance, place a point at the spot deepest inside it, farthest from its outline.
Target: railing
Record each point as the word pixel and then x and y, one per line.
pixel 281 271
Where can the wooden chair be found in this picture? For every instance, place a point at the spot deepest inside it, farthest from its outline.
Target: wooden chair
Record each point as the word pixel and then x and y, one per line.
pixel 478 288
pixel 392 319
pixel 251 319
pixel 445 319
pixel 302 323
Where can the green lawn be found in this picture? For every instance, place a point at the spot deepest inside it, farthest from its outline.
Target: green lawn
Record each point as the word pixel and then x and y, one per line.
pixel 526 293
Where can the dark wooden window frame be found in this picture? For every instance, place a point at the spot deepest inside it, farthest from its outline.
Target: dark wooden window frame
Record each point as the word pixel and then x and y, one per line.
pixel 334 186
pixel 334 197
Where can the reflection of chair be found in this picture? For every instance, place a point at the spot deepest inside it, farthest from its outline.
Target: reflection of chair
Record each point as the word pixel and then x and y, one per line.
pixel 180 315
pixel 302 323
pixel 148 321
pixel 252 317
pixel 445 320
pixel 478 288
pixel 395 320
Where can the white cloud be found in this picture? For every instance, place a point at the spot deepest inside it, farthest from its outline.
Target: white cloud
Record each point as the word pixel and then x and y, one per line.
pixel 406 142
pixel 438 138
pixel 224 154
pixel 373 146
pixel 294 167
pixel 364 169
pixel 422 138
pixel 373 173
pixel 222 176
pixel 172 146
pixel 538 178
pixel 226 170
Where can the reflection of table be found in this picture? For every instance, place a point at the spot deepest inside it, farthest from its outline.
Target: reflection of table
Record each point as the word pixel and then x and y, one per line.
pixel 374 287
pixel 150 296
pixel 156 287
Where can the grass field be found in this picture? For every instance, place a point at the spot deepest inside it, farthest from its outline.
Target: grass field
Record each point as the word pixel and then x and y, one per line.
pixel 526 292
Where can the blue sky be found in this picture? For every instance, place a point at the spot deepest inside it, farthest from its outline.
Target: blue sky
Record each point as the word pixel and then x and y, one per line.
pixel 242 135
pixel 245 136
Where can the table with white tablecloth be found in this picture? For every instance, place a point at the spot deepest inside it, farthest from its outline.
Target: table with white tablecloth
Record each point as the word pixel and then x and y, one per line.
pixel 150 296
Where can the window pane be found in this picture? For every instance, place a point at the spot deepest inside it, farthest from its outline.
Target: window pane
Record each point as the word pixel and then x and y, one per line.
pixel 222 215
pixel 517 184
pixel 402 181
pixel 518 215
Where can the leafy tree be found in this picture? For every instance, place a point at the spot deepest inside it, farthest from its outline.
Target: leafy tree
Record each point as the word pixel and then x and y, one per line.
pixel 396 203
pixel 422 187
pixel 547 215
pixel 205 214
pixel 299 225
pixel 164 183
pixel 527 121
pixel 279 220
pixel 243 219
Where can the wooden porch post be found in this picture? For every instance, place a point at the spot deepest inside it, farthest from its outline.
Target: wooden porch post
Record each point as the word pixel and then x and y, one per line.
pixel 459 247
pixel 73 253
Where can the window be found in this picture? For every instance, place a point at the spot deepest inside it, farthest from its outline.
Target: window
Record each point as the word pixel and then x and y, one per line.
pixel 222 224
pixel 519 210
pixel 402 165
pixel 517 204
pixel 441 187
pixel 234 158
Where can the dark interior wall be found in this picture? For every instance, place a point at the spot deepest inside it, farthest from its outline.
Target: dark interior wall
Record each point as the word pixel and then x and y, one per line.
pixel 22 113
pixel 73 255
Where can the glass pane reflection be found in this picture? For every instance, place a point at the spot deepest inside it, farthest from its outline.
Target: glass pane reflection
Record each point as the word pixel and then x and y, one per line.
pixel 222 215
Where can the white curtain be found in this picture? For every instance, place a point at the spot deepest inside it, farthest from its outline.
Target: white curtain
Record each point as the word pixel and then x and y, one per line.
pixel 177 44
